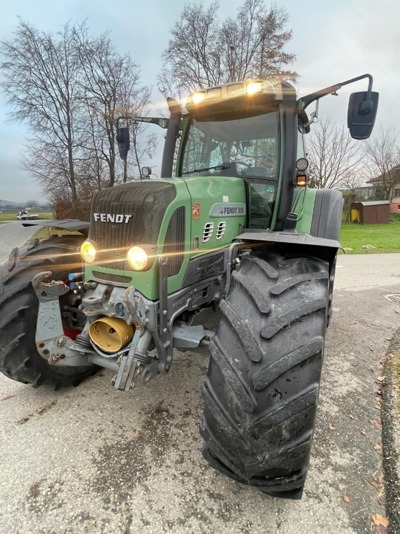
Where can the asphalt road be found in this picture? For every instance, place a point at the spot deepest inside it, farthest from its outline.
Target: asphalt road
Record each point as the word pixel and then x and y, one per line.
pixel 12 235
pixel 90 459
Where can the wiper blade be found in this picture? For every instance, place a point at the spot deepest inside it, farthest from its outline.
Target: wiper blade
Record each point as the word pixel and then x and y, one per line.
pixel 215 168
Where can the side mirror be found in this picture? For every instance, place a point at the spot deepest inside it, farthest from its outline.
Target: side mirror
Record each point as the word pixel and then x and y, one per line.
pixel 361 113
pixel 123 141
pixel 146 172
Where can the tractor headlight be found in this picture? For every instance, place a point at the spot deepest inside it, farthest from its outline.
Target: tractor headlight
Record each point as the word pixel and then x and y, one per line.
pixel 302 164
pixel 254 87
pixel 198 98
pixel 88 252
pixel 137 258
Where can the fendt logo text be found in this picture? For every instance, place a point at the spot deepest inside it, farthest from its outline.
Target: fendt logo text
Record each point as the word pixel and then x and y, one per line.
pixel 111 217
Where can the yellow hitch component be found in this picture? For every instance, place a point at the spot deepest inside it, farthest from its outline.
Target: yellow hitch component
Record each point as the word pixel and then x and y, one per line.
pixel 110 334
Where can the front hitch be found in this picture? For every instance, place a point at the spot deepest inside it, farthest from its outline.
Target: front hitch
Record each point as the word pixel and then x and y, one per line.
pixel 132 365
pixel 51 342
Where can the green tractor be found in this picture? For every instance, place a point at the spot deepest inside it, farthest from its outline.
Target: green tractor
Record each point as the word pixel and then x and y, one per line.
pixel 235 257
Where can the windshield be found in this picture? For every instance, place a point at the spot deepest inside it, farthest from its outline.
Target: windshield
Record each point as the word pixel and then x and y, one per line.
pixel 245 147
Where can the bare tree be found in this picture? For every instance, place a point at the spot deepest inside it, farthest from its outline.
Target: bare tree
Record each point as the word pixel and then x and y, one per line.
pixel 253 43
pixel 204 51
pixel 334 156
pixel 110 89
pixel 191 58
pixel 46 159
pixel 134 104
pixel 32 204
pixel 70 89
pixel 41 82
pixel 382 153
pixel 141 147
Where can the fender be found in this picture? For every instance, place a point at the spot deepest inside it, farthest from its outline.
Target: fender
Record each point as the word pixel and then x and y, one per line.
pixel 293 238
pixel 63 224
pixel 326 219
pixel 319 213
pixel 302 244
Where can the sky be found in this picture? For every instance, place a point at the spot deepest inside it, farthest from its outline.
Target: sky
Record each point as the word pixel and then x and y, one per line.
pixel 333 40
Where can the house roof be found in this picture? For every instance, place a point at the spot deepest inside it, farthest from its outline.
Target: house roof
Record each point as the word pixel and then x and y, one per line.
pixel 374 203
pixel 392 174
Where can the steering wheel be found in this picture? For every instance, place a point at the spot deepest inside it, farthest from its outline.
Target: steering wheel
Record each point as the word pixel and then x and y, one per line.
pixel 229 170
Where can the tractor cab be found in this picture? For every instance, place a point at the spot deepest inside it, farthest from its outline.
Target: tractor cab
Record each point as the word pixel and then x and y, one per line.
pixel 237 130
pixel 233 131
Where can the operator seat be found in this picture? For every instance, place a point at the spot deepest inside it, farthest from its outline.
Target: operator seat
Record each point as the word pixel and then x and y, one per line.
pixel 256 172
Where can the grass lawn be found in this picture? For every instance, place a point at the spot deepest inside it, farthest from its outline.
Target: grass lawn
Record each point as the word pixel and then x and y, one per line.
pixel 383 237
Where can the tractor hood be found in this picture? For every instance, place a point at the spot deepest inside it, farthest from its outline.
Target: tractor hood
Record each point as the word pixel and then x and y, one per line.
pixel 128 214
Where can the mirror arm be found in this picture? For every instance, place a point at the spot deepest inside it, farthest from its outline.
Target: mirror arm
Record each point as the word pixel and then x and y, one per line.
pixel 160 121
pixel 306 100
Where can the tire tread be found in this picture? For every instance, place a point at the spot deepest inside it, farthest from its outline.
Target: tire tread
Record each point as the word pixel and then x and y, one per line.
pixel 262 385
pixel 19 359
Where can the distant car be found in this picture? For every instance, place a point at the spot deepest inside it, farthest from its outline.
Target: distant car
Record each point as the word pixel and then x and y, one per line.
pixel 23 215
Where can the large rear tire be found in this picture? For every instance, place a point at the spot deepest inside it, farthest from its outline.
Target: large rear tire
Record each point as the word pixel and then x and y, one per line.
pixel 19 359
pixel 262 385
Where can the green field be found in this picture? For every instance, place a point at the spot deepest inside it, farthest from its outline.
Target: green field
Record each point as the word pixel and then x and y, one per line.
pixel 382 237
pixel 12 216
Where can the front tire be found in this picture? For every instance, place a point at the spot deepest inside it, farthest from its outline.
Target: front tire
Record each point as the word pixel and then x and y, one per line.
pixel 19 359
pixel 262 385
